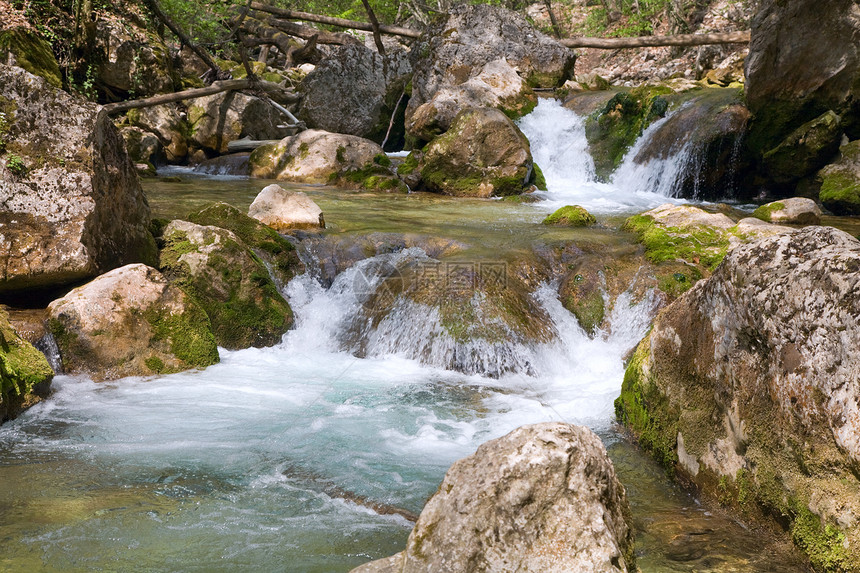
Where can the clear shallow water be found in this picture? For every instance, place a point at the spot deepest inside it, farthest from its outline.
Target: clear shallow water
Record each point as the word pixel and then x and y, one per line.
pixel 301 457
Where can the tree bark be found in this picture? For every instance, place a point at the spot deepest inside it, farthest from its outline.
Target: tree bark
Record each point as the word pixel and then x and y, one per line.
pixel 217 87
pixel 374 23
pixel 555 27
pixel 295 15
pixel 651 41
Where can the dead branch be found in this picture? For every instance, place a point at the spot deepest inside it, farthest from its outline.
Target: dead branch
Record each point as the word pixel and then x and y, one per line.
pixel 156 10
pixel 217 87
pixel 340 22
pixel 653 41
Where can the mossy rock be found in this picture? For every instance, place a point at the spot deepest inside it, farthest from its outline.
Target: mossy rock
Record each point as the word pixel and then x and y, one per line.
pixel 840 182
pixel 571 216
pixel 765 212
pixel 805 150
pixel 229 281
pixel 582 295
pixel 32 53
pixel 24 372
pixel 272 247
pixel 612 130
pixel 704 246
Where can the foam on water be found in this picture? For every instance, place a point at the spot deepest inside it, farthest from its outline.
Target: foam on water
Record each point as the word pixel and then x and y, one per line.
pixel 559 147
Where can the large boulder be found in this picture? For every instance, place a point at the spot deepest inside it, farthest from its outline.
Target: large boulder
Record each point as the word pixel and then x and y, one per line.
pixel 229 281
pixel 218 119
pixel 131 322
pixel 482 154
pixel 283 210
pixel 795 72
pixel 25 375
pixel 747 386
pixel 705 132
pixel 71 206
pixel 840 181
pixel 459 46
pixel 23 47
pixel 355 91
pixel 315 156
pixel 542 498
pixel 132 60
pixel 804 150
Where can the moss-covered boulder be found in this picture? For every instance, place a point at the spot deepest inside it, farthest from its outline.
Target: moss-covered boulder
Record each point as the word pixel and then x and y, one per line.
pixel 840 182
pixel 483 154
pixel 131 322
pixel 273 249
pixel 571 216
pixel 477 47
pixel 687 243
pixel 29 51
pixel 315 156
pixel 794 210
pixel 25 376
pixel 705 132
pixel 71 205
pixel 613 129
pixel 747 387
pixel 229 281
pixel 804 150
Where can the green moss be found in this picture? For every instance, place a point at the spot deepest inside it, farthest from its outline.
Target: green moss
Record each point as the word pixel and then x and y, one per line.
pixel 823 543
pixel 373 177
pixel 765 212
pixel 409 165
pixel 339 155
pixel 382 159
pixel 571 216
pixel 538 179
pixel 840 192
pixel 612 130
pixel 647 412
pixel 702 245
pixel 22 367
pixel 155 364
pixel 589 310
pixel 189 336
pixel 304 150
pixel 31 53
pixel 677 283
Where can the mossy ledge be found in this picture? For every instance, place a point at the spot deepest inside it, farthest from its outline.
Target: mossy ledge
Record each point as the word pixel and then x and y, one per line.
pixel 703 246
pixel 24 372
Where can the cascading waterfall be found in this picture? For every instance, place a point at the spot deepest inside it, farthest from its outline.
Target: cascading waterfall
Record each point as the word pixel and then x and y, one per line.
pixel 560 148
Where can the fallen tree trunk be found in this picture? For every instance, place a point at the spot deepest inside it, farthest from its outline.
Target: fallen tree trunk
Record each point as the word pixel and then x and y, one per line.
pixel 655 41
pixel 306 16
pixel 306 32
pixel 217 87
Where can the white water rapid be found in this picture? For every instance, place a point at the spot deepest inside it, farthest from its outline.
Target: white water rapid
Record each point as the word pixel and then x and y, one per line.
pixel 559 147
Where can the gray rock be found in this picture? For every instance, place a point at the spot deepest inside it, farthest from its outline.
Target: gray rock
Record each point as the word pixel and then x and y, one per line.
pixel 132 60
pixel 748 385
pixel 795 71
pixel 71 205
pixel 167 123
pixel 794 210
pixel 283 210
pixel 543 498
pixel 456 48
pixel 218 119
pixel 131 322
pixel 354 92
